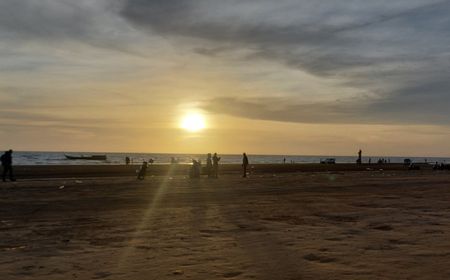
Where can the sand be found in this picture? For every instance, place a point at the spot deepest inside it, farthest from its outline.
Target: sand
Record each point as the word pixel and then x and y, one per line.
pixel 78 171
pixel 304 225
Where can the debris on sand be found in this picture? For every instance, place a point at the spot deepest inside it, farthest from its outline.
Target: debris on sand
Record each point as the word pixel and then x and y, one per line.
pixel 178 272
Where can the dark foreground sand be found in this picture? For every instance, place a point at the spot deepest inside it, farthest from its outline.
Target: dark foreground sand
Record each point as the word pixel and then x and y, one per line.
pixel 334 225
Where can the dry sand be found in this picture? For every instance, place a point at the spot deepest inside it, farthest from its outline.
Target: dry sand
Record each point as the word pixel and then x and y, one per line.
pixel 330 225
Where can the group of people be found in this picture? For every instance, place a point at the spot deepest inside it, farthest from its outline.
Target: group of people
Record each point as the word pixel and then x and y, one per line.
pixel 383 161
pixel 441 166
pixel 212 167
pixel 379 161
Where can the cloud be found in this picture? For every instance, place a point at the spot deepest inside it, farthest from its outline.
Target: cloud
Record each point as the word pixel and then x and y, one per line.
pixel 60 23
pixel 50 19
pixel 395 51
pixel 365 111
pixel 358 61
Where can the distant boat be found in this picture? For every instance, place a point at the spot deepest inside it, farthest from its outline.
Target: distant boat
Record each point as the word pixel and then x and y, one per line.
pixel 87 157
pixel 328 161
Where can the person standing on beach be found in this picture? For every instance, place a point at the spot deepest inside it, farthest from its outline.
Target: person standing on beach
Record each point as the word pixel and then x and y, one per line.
pixel 6 160
pixel 359 160
pixel 127 160
pixel 244 164
pixel 195 170
pixel 143 171
pixel 209 165
pixel 216 160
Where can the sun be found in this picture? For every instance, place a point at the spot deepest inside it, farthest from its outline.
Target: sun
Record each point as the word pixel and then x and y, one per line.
pixel 193 122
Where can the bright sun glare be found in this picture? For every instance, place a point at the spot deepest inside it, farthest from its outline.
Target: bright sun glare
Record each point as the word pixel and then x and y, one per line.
pixel 193 122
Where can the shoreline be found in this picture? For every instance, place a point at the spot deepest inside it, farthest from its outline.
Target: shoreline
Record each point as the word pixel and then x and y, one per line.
pixel 64 171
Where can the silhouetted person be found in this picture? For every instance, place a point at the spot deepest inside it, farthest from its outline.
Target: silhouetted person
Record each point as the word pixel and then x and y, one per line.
pixel 244 164
pixel 216 160
pixel 127 161
pixel 195 169
pixel 151 161
pixel 6 160
pixel 370 160
pixel 142 171
pixel 284 160
pixel 436 166
pixel 359 160
pixel 209 166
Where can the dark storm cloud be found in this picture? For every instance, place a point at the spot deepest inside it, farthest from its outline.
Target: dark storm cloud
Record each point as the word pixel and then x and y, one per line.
pixel 397 50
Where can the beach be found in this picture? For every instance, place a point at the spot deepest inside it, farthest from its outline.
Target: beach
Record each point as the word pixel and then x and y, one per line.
pixel 283 222
pixel 80 171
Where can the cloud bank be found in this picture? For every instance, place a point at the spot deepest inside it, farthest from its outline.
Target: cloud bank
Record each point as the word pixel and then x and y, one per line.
pixel 92 65
pixel 396 54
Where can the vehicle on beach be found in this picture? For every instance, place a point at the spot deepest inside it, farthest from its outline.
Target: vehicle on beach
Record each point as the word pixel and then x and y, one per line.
pixel 86 157
pixel 328 161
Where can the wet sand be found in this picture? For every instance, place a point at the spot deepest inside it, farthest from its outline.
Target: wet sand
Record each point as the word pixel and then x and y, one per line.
pixel 306 225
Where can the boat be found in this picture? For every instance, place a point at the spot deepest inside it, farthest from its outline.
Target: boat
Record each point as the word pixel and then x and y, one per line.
pixel 86 157
pixel 328 161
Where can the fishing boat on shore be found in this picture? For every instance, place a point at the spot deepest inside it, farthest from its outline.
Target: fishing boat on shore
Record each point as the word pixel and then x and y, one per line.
pixel 86 157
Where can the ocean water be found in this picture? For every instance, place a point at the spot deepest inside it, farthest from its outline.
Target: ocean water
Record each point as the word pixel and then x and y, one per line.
pixel 58 158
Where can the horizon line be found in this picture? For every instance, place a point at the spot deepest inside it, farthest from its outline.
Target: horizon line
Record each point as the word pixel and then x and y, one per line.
pixel 234 154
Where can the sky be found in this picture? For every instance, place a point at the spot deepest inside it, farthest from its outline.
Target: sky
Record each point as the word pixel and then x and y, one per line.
pixel 325 77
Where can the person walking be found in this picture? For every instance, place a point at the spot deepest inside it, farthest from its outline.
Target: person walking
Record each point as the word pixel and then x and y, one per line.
pixel 244 164
pixel 6 160
pixel 216 160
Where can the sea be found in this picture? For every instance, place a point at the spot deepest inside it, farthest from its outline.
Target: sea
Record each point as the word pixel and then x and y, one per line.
pixel 58 158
